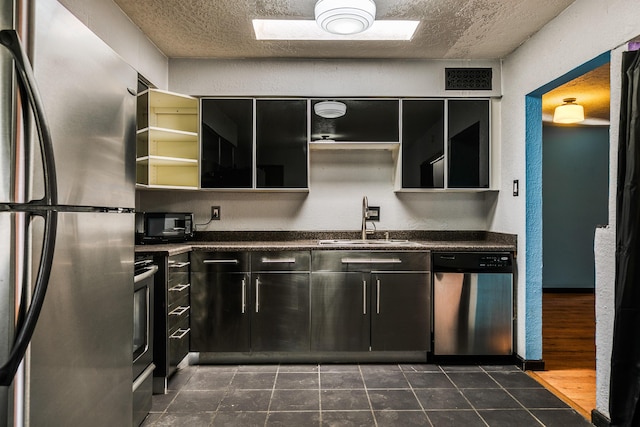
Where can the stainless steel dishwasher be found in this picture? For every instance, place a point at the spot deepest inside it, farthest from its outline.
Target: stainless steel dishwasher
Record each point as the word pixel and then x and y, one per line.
pixel 472 303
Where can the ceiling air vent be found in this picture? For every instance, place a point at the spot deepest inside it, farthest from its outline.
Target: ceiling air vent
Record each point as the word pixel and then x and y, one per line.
pixel 468 78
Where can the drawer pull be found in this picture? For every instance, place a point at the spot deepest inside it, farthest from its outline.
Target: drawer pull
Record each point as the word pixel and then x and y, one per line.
pixel 179 288
pixel 180 333
pixel 278 260
pixel 173 264
pixel 371 261
pixel 378 296
pixel 221 261
pixel 179 311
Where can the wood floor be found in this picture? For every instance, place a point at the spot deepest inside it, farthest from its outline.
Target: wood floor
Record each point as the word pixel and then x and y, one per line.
pixel 569 349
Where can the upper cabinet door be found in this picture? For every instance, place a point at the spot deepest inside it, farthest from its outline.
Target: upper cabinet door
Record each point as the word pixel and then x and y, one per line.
pixel 281 143
pixel 468 143
pixel 423 143
pixel 226 143
pixel 366 120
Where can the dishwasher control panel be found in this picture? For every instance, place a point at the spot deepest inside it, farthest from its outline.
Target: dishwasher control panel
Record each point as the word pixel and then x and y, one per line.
pixel 462 262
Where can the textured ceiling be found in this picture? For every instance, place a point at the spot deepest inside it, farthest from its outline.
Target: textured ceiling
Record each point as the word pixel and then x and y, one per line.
pixel 449 29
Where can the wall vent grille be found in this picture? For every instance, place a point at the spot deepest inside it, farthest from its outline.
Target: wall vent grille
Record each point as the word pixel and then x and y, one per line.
pixel 468 78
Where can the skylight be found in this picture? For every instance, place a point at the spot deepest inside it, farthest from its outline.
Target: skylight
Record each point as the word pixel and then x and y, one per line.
pixel 277 29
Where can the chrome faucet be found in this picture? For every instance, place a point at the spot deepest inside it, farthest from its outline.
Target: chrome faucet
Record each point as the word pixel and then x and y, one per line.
pixel 365 217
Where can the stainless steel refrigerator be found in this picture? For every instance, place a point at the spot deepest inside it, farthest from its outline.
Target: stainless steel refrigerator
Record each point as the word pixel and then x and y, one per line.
pixel 67 193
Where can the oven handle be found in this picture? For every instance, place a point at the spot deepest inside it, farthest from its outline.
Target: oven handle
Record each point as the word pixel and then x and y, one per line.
pixel 150 272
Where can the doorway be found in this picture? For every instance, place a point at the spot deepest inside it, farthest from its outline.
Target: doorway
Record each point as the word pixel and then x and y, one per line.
pixel 573 175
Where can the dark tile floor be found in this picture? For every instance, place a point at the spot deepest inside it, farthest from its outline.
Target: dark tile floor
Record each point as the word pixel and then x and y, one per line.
pixel 358 395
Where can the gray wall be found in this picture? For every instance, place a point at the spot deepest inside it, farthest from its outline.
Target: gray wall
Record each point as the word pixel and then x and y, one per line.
pixel 575 191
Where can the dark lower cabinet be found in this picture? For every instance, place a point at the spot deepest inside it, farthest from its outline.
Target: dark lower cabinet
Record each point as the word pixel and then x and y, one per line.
pixel 291 301
pixel 340 312
pixel 400 311
pixel 280 318
pixel 221 318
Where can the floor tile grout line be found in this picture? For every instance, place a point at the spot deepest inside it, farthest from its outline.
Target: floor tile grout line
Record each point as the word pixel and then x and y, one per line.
pixel 465 397
pixel 319 396
pixel 366 390
pixel 424 412
pixel 514 398
pixel 273 390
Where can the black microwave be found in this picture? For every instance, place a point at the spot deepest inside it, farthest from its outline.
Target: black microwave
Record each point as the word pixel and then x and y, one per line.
pixel 163 227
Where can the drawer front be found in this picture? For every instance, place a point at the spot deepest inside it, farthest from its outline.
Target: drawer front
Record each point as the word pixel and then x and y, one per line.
pixel 226 262
pixel 179 315
pixel 370 261
pixel 178 270
pixel 281 261
pixel 179 344
pixel 177 293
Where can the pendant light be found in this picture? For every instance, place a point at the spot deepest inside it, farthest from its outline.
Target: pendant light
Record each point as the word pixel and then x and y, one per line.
pixel 569 112
pixel 345 17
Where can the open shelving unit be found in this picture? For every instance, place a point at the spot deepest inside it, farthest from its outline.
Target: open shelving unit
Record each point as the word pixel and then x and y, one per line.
pixel 167 147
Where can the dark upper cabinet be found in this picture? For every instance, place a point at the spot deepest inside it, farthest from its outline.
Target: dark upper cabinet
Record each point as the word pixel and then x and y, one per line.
pixel 227 143
pixel 423 143
pixel 468 143
pixel 366 120
pixel 427 157
pixel 281 143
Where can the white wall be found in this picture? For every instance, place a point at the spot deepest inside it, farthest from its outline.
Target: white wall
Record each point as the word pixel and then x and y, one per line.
pixel 110 23
pixel 334 202
pixel 583 31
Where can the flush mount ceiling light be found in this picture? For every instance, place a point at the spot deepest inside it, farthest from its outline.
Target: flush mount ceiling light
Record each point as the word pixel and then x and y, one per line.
pixel 330 109
pixel 569 112
pixel 345 16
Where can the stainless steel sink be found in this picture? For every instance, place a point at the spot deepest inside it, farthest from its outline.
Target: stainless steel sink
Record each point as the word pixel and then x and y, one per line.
pixel 368 242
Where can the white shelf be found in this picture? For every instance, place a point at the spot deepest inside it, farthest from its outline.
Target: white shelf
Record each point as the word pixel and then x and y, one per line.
pixel 333 145
pixel 169 135
pixel 167 161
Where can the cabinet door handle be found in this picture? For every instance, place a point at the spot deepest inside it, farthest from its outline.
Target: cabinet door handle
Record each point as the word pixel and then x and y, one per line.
pixel 221 261
pixel 179 288
pixel 244 295
pixel 257 295
pixel 278 260
pixel 179 311
pixel 180 333
pixel 364 297
pixel 371 261
pixel 377 296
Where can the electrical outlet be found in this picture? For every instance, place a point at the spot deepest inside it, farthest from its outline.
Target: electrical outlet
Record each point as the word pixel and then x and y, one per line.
pixel 215 212
pixel 373 213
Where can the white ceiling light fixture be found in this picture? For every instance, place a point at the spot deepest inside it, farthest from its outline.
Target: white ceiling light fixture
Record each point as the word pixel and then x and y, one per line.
pixel 345 16
pixel 569 112
pixel 330 109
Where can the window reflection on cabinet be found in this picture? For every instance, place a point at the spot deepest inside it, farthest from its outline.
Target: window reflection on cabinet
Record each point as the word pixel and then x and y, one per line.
pixel 423 143
pixel 281 143
pixel 227 143
pixel 468 145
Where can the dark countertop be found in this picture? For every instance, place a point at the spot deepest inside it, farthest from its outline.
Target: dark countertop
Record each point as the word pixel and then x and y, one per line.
pixel 291 241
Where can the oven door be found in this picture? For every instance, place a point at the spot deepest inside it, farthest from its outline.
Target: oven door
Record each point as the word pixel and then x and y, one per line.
pixel 143 320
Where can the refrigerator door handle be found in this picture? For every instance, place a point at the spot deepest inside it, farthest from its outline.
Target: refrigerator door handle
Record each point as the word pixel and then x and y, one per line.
pixel 27 318
pixel 29 90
